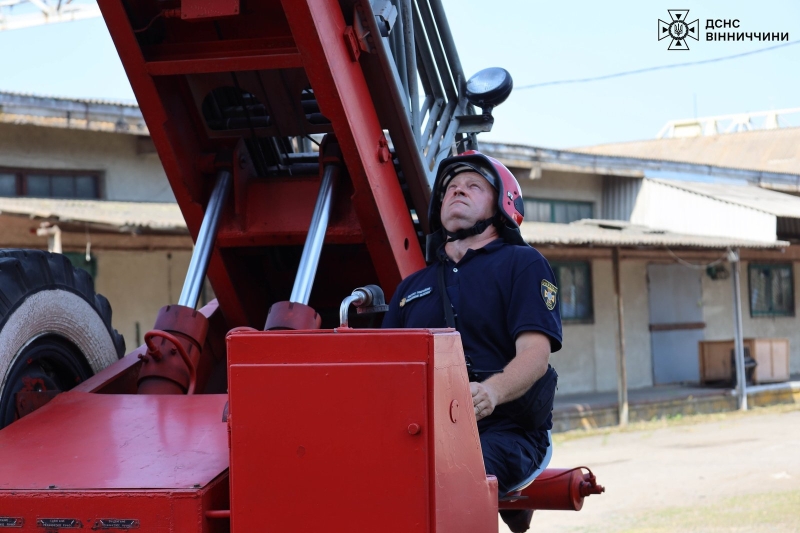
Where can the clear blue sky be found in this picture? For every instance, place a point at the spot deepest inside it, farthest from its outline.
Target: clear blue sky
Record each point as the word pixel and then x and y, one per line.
pixel 536 41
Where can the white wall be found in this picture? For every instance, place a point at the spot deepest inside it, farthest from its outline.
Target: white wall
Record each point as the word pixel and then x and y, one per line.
pixel 664 207
pixel 129 176
pixel 587 361
pixel 569 186
pixel 718 314
pixel 138 284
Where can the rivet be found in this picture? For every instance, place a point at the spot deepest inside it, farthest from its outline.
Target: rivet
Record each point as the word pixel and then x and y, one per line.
pixel 414 429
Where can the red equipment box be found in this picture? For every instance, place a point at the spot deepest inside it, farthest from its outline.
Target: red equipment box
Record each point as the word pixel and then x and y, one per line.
pixel 115 462
pixel 354 430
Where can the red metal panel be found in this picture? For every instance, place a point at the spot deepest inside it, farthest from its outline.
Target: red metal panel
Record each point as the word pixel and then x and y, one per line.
pixel 277 212
pixel 297 428
pixel 198 9
pixel 152 511
pixel 358 410
pixel 461 496
pixel 345 346
pixel 113 441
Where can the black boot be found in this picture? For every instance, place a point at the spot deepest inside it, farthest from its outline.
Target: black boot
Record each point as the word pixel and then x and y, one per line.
pixel 518 520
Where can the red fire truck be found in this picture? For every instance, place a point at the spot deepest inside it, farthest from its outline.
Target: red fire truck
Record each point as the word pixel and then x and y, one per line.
pixel 300 139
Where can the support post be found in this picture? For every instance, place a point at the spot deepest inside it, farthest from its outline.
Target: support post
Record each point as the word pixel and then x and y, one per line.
pixel 622 375
pixel 741 379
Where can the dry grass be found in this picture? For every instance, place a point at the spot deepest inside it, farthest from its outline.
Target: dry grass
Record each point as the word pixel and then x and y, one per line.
pixel 672 421
pixel 774 512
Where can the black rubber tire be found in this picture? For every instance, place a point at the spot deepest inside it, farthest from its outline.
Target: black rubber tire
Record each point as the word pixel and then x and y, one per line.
pixel 47 306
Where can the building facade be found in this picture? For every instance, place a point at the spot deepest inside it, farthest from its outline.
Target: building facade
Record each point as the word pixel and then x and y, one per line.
pixel 672 238
pixel 90 169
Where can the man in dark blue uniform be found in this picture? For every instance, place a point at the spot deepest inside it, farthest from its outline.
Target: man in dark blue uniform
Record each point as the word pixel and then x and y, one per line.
pixel 501 295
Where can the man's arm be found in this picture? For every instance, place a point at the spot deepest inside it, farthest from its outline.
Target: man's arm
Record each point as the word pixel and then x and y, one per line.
pixel 530 363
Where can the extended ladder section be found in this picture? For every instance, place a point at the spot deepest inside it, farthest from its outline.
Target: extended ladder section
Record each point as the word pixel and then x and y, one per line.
pixel 252 87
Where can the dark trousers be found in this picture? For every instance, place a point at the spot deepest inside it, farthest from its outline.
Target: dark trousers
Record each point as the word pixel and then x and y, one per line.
pixel 511 456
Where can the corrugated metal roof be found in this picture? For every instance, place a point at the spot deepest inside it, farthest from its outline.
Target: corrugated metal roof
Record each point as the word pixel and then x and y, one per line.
pixel 100 101
pixel 72 113
pixel 537 158
pixel 752 196
pixel 121 216
pixel 776 150
pixel 616 233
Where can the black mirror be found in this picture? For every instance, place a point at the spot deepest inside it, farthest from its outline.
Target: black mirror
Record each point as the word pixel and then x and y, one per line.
pixel 489 88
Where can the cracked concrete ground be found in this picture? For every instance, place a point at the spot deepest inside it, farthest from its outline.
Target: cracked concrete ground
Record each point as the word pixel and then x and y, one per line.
pixel 733 472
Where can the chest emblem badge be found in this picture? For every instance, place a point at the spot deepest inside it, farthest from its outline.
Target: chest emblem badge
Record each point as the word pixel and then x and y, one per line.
pixel 414 295
pixel 549 292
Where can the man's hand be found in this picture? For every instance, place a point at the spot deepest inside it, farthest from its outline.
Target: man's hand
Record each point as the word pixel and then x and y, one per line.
pixel 529 364
pixel 484 399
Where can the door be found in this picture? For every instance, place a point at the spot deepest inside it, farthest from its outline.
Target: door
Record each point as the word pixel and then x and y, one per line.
pixel 676 322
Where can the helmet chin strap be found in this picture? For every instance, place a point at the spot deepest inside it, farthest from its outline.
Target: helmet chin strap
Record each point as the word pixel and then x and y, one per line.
pixel 477 229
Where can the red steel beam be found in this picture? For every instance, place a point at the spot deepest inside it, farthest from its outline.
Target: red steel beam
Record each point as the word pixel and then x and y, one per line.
pixel 205 65
pixel 318 27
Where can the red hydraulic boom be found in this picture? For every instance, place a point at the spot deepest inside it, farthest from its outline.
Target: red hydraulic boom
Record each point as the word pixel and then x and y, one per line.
pixel 299 138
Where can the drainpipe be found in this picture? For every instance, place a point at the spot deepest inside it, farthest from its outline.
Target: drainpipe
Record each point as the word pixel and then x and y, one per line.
pixel 741 380
pixel 53 234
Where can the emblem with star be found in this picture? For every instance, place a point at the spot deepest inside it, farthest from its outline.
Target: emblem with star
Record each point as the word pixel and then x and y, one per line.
pixel 678 29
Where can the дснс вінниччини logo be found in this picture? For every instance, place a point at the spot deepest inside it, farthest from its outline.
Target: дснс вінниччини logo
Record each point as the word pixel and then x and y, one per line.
pixel 678 29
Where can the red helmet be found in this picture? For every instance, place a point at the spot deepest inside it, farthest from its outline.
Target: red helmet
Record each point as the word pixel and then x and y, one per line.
pixel 510 206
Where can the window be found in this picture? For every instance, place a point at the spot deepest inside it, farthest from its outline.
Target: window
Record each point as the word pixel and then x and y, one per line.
pixel 49 184
pixel 559 211
pixel 574 280
pixel 78 260
pixel 771 290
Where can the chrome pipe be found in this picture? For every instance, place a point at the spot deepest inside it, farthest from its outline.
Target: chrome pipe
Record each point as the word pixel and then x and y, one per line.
pixel 201 255
pixel 411 66
pixel 344 308
pixel 301 291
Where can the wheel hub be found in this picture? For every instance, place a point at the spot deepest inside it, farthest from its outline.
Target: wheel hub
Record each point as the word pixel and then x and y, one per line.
pixel 46 367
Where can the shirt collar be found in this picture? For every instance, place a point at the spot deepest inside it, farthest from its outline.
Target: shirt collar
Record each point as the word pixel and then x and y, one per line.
pixel 489 248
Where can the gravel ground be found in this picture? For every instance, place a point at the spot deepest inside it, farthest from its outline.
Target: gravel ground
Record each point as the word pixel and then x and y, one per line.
pixel 736 472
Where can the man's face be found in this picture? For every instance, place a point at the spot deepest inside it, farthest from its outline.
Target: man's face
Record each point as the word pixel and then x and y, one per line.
pixel 468 199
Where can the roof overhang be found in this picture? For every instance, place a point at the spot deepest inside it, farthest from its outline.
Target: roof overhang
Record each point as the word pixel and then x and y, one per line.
pixel 615 233
pixel 100 215
pixel 535 157
pixel 70 113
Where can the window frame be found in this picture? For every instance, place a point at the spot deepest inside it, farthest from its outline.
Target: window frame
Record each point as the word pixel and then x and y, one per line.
pixel 769 314
pixel 555 265
pixel 554 203
pixel 22 173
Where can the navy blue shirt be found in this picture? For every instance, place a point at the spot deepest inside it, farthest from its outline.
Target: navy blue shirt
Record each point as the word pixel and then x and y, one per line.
pixel 497 292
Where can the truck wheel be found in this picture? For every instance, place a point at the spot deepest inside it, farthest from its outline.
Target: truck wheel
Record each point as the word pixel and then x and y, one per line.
pixel 54 330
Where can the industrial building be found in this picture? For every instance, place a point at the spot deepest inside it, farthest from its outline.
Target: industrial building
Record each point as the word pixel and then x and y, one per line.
pixel 661 214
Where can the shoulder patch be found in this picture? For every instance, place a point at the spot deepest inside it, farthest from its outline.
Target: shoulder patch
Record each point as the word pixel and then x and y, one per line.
pixel 549 292
pixel 414 295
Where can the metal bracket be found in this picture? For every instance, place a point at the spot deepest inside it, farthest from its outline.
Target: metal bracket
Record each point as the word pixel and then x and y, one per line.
pixel 475 123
